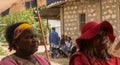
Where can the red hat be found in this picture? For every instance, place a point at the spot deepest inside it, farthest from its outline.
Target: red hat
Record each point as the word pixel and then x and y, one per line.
pixel 90 30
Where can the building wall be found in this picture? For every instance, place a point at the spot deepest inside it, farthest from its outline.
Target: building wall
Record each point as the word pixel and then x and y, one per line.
pixel 111 13
pixel 20 5
pixel 17 7
pixel 95 10
pixel 71 22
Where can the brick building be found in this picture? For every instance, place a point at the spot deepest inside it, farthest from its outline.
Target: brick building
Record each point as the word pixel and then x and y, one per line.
pixel 74 13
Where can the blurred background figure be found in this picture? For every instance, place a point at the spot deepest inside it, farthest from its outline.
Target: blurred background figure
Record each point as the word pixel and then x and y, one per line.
pixel 54 41
pixel 66 45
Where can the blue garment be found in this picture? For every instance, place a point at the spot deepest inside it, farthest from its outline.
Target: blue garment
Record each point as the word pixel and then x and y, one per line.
pixel 54 38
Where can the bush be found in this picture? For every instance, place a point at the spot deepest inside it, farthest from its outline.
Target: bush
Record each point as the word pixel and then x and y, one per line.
pixel 24 16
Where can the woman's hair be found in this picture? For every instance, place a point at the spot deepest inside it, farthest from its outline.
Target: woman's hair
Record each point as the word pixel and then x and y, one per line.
pixel 87 46
pixel 9 33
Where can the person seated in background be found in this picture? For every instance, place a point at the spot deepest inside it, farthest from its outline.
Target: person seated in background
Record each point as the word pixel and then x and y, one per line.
pixel 65 45
pixel 73 50
pixel 94 43
pixel 68 45
pixel 62 41
pixel 22 38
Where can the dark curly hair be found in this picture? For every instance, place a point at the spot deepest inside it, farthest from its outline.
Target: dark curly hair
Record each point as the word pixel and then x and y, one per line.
pixel 9 34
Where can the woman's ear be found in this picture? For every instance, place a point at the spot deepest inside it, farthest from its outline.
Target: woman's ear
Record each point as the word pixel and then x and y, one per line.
pixel 14 42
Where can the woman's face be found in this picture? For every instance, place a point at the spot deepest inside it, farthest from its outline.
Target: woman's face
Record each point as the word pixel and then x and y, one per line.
pixel 101 40
pixel 28 41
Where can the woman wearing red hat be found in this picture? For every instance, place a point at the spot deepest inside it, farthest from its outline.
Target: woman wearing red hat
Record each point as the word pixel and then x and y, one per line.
pixel 93 44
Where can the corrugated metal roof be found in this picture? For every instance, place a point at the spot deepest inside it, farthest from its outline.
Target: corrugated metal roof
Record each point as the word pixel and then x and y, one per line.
pixel 50 13
pixel 56 4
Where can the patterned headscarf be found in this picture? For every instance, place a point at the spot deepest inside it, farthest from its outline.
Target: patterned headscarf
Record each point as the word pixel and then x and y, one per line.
pixel 20 29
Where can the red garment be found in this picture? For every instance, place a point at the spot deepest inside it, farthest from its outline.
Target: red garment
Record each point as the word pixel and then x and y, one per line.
pixel 80 59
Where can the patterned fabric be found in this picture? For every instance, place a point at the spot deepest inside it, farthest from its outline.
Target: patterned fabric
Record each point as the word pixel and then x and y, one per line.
pixel 20 29
pixel 14 60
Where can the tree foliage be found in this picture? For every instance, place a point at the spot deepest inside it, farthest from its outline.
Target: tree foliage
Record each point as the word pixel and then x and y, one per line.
pixel 23 16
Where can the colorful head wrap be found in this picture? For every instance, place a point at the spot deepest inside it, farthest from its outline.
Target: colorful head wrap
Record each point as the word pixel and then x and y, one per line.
pixel 20 29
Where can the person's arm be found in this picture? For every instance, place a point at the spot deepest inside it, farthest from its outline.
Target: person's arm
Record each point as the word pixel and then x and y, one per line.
pixel 57 38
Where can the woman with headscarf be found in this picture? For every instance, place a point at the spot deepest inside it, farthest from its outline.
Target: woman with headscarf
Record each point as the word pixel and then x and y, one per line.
pixel 94 43
pixel 22 38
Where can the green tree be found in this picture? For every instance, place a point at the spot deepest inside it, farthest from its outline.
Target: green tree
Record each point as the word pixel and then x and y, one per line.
pixel 23 16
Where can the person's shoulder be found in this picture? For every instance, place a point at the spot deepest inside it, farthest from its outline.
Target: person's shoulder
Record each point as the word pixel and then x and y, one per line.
pixel 8 60
pixel 76 58
pixel 53 32
pixel 79 58
pixel 41 59
pixel 76 54
pixel 115 57
pixel 56 32
pixel 37 55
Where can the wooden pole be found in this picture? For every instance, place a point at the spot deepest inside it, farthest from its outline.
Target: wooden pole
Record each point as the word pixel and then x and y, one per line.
pixel 41 28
